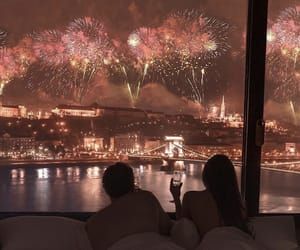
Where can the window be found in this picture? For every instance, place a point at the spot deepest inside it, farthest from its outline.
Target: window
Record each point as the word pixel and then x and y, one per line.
pixel 146 82
pixel 280 157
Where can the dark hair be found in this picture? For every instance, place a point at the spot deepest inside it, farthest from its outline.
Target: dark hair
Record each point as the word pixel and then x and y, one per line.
pixel 219 177
pixel 118 180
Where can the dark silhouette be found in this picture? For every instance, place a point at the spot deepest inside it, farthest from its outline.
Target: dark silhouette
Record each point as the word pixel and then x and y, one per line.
pixel 220 204
pixel 131 210
pixel 118 180
pixel 220 179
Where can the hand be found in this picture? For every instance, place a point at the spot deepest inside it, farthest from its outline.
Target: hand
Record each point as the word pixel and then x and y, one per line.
pixel 175 190
pixel 137 188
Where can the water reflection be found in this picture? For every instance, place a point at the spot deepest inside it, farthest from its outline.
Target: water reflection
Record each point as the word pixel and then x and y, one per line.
pixel 43 173
pixel 93 173
pixel 73 174
pixel 79 188
pixel 58 173
pixel 17 176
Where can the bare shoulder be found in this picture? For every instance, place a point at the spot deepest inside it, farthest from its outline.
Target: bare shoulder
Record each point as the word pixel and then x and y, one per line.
pixel 193 194
pixel 196 196
pixel 140 197
pixel 147 196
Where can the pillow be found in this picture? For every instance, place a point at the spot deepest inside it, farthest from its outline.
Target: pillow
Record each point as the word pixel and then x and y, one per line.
pixel 275 232
pixel 184 233
pixel 42 233
pixel 228 238
pixel 145 241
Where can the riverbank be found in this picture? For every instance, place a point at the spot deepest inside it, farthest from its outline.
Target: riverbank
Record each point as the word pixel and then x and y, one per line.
pixel 70 162
pixel 55 162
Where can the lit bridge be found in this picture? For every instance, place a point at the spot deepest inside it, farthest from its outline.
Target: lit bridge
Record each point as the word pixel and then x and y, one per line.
pixel 173 150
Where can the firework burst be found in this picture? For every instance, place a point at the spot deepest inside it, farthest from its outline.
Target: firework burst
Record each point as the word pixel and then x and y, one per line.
pixel 87 43
pixel 3 36
pixel 15 61
pixel 283 55
pixel 88 49
pixel 179 53
pixel 192 34
pixel 49 48
pixel 195 42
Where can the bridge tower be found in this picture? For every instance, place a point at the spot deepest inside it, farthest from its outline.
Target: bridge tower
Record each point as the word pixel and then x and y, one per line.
pixel 174 146
pixel 1 93
pixel 223 109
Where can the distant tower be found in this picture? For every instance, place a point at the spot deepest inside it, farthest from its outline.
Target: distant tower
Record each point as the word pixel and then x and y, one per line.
pixel 1 93
pixel 223 109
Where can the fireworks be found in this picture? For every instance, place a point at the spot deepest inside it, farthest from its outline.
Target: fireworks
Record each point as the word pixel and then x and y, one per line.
pixel 147 44
pixel 3 36
pixel 283 54
pixel 149 48
pixel 194 43
pixel 87 43
pixel 54 81
pixel 15 61
pixel 49 48
pixel 194 35
pixel 179 53
pixel 88 49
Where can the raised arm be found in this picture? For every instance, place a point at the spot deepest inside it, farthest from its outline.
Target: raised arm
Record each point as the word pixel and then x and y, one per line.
pixel 176 191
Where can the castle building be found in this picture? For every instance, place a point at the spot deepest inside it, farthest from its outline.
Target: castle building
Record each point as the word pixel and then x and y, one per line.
pixel 12 111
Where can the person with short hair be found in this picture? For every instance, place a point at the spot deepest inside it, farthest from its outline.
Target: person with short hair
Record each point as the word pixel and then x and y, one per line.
pixel 131 210
pixel 118 180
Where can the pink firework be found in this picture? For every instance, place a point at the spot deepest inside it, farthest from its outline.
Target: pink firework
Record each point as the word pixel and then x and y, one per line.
pixel 148 44
pixel 49 48
pixel 283 54
pixel 87 43
pixel 284 34
pixel 194 35
pixel 15 61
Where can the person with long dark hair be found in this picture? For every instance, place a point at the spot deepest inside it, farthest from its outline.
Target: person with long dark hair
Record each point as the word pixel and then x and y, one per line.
pixel 219 205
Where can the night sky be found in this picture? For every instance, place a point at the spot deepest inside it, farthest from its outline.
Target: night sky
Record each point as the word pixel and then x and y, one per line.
pixel 121 17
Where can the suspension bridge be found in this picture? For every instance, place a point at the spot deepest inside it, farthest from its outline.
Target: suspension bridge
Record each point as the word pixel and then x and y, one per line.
pixel 172 150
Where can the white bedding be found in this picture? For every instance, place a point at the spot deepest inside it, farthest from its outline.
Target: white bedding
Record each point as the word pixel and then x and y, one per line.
pixel 145 241
pixel 228 238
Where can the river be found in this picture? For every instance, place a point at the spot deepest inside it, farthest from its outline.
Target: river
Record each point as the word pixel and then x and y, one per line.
pixel 79 188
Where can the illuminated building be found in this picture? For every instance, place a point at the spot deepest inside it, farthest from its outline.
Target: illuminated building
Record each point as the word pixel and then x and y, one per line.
pixel 128 143
pixel 124 114
pixel 77 111
pixel 174 146
pixel 92 143
pixel 151 143
pixel 290 148
pixel 155 115
pixel 213 112
pixel 16 146
pixel 12 111
pixel 234 121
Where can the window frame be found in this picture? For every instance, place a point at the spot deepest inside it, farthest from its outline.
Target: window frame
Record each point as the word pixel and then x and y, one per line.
pixel 253 114
pixel 254 103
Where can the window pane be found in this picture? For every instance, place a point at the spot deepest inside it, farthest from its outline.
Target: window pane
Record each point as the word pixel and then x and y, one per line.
pixel 280 176
pixel 87 83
